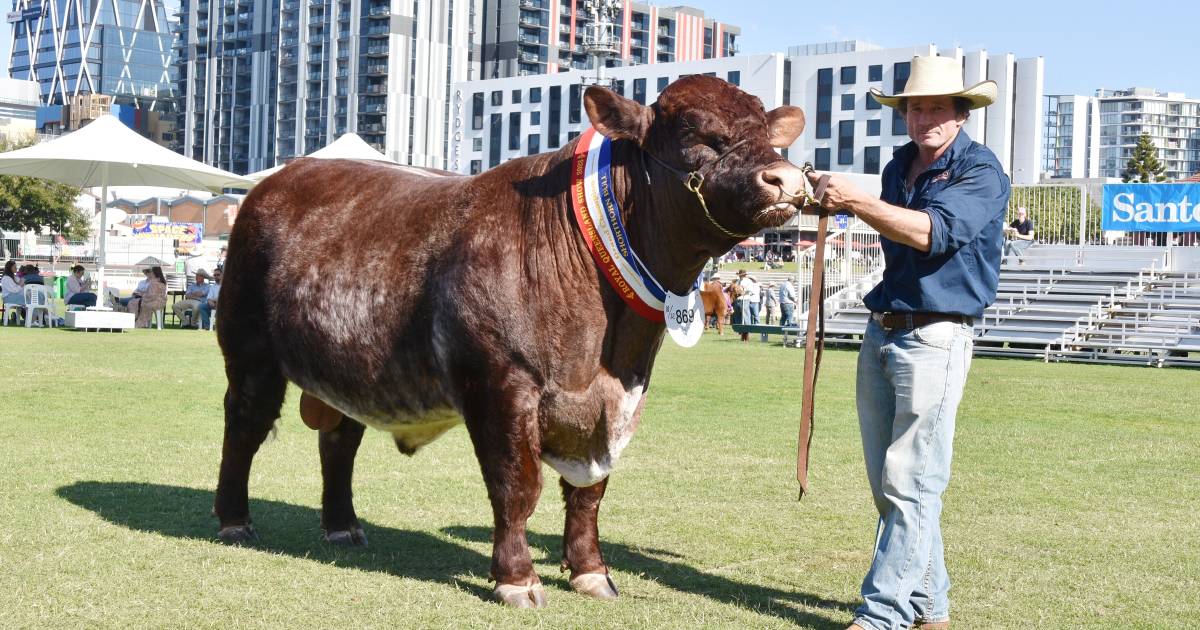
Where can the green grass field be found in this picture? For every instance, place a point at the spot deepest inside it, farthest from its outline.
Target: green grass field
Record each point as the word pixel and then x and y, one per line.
pixel 1071 503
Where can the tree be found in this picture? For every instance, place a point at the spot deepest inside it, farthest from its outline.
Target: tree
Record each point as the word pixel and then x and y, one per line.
pixel 1144 166
pixel 30 204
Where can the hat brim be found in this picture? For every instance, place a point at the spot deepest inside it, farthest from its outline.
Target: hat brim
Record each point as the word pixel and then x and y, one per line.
pixel 979 95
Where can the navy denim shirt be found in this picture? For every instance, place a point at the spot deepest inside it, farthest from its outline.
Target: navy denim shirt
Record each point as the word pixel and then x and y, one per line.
pixel 965 193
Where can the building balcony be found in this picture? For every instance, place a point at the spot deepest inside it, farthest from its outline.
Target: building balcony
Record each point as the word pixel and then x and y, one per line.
pixel 377 31
pixel 376 51
pixel 379 11
pixel 372 128
pixel 376 70
pixel 375 89
pixel 531 21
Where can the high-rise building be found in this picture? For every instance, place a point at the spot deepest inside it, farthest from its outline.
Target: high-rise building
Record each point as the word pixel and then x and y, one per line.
pixel 121 48
pixel 529 37
pixel 1094 136
pixel 262 82
pixel 847 131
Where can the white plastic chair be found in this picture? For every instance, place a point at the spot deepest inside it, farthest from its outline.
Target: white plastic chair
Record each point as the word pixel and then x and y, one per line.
pixel 38 299
pixel 8 310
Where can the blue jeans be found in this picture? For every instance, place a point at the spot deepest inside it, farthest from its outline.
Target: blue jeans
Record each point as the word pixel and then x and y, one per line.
pixel 752 313
pixel 787 312
pixel 1016 247
pixel 205 314
pixel 910 382
pixel 82 299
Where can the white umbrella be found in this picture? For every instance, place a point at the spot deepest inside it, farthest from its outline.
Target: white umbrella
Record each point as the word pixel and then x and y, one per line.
pixel 106 152
pixel 349 146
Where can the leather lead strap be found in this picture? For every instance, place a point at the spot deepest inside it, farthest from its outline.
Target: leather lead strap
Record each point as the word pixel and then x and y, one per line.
pixel 814 340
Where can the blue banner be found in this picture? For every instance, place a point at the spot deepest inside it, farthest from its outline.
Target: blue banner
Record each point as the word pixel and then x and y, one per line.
pixel 1152 207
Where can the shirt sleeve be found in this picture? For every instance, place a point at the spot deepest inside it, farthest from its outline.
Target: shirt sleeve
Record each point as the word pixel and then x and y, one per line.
pixel 961 210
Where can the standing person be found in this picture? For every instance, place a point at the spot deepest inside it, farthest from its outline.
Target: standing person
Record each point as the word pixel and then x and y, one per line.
pixel 787 303
pixel 770 302
pixel 79 288
pixel 195 294
pixel 940 216
pixel 209 304
pixel 1020 236
pixel 751 297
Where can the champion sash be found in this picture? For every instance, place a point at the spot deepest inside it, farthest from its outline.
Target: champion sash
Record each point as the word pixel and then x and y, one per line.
pixel 599 217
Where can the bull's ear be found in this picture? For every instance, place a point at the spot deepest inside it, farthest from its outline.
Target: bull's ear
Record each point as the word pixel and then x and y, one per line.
pixel 785 124
pixel 616 116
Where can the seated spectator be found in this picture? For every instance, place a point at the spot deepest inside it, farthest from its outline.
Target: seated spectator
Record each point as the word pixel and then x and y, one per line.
pixel 30 274
pixel 210 303
pixel 143 304
pixel 79 288
pixel 1019 235
pixel 187 310
pixel 10 286
pixel 122 304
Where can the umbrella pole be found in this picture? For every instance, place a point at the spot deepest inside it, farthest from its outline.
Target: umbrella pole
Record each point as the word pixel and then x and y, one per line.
pixel 100 255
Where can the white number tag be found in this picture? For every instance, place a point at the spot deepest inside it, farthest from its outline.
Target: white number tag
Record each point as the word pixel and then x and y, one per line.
pixel 685 318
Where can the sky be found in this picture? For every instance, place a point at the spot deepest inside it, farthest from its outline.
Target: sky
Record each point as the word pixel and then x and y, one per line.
pixel 1086 45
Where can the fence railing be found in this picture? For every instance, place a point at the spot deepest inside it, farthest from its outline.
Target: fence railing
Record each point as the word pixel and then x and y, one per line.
pixel 851 255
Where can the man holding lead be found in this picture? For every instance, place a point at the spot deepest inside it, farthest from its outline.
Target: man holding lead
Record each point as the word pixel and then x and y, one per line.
pixel 940 216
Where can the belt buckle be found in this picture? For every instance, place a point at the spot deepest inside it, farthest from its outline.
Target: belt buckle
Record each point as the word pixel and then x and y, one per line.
pixel 881 319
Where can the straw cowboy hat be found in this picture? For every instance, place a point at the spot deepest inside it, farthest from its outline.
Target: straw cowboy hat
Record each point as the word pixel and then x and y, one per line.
pixel 939 76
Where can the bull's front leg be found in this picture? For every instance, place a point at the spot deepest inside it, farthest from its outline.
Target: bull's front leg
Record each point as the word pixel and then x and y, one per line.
pixel 512 470
pixel 581 541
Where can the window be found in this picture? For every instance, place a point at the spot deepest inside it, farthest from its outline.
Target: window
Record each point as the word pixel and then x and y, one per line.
pixel 494 145
pixel 875 73
pixel 476 167
pixel 871 160
pixel 619 86
pixel 535 144
pixel 477 143
pixel 497 98
pixel 516 96
pixel 900 76
pixel 575 104
pixel 639 91
pixel 873 127
pixel 514 131
pixel 535 95
pixel 571 135
pixel 824 102
pixel 735 77
pixel 846 142
pixel 663 82
pixel 535 118
pixel 821 160
pixel 872 103
pixel 847 102
pixel 555 109
pixel 477 110
pixel 849 74
pixel 898 126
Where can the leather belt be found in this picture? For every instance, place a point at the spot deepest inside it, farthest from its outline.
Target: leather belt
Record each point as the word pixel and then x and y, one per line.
pixel 904 321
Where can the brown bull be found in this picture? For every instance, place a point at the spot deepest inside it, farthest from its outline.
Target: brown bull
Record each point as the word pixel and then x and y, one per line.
pixel 715 304
pixel 502 321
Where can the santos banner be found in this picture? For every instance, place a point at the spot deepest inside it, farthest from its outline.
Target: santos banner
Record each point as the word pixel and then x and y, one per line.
pixel 1152 207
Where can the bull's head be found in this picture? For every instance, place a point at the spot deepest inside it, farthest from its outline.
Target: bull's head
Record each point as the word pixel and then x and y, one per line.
pixel 705 125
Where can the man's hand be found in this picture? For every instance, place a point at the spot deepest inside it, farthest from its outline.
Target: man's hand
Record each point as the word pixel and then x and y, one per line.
pixel 840 194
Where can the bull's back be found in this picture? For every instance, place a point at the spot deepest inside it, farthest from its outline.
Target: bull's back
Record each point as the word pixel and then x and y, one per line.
pixel 335 259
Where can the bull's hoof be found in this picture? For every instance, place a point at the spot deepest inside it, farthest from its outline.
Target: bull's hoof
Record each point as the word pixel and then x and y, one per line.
pixel 353 537
pixel 516 596
pixel 598 585
pixel 237 534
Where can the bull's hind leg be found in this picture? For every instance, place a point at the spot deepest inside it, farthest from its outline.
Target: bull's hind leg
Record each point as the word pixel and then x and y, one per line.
pixel 581 541
pixel 338 448
pixel 252 402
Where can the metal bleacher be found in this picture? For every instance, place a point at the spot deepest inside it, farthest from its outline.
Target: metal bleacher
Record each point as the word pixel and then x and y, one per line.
pixel 1065 303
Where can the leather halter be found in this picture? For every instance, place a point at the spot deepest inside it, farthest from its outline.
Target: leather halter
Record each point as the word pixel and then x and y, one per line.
pixel 814 337
pixel 694 180
pixel 814 342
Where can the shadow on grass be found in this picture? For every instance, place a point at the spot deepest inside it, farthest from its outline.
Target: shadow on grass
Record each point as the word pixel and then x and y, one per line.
pixel 665 567
pixel 294 530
